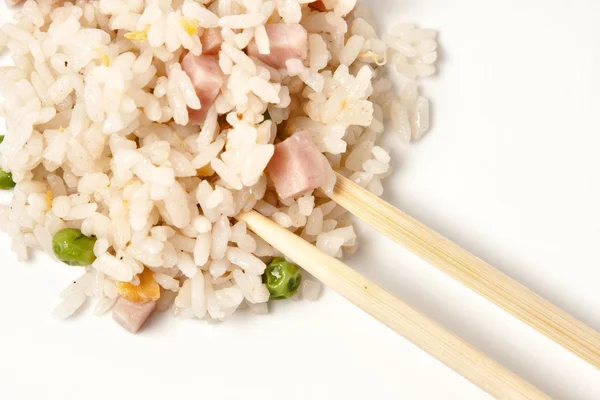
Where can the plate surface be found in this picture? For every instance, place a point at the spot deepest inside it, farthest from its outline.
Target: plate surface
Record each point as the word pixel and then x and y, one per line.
pixel 510 171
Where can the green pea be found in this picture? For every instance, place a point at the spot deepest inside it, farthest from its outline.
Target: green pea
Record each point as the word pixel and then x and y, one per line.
pixel 6 181
pixel 74 248
pixel 282 279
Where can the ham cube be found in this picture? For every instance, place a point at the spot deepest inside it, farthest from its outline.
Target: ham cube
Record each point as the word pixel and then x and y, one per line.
pixel 207 78
pixel 298 167
pixel 132 316
pixel 211 40
pixel 286 42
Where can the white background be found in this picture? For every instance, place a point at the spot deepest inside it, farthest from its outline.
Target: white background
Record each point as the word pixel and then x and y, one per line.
pixel 510 171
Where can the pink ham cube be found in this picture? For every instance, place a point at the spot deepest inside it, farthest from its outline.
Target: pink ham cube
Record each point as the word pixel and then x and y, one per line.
pixel 207 78
pixel 211 40
pixel 286 42
pixel 132 316
pixel 298 167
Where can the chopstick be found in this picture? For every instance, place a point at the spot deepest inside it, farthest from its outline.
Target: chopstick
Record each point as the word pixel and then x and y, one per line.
pixel 451 350
pixel 471 271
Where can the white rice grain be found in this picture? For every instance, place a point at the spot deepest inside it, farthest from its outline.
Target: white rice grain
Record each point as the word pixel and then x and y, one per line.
pixel 420 120
pixel 104 305
pixel 351 50
pixel 242 21
pixel 198 298
pixel 69 305
pixel 202 249
pixel 167 282
pixel 262 40
pixel 250 263
pixel 310 289
pixel 221 234
pixel 186 265
pixel 113 267
pixel 81 211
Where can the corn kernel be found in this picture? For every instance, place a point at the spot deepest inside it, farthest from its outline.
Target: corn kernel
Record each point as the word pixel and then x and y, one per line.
pixel 205 171
pixel 137 35
pixel 147 290
pixel 189 26
pixel 49 199
pixel 105 60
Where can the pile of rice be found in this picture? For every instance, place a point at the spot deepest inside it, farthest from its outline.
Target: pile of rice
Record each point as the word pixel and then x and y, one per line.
pixel 97 138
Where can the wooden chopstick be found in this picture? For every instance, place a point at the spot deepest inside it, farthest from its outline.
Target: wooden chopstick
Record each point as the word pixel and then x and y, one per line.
pixel 457 354
pixel 471 271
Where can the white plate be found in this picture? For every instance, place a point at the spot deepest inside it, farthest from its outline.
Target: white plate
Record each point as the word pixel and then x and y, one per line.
pixel 510 171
